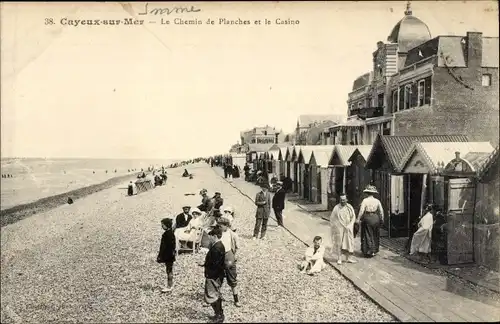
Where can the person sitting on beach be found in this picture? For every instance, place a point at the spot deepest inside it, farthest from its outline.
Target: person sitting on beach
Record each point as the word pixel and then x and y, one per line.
pixel 218 202
pixel 314 262
pixel 207 204
pixel 188 233
pixel 185 174
pixel 183 219
pixel 229 214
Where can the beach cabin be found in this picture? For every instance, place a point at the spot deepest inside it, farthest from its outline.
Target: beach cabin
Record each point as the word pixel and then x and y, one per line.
pixel 254 153
pixel 385 160
pixel 294 170
pixel 288 163
pixel 339 160
pixel 239 159
pixel 304 181
pixel 487 214
pixel 282 162
pixel 446 174
pixel 318 164
pixel 358 177
pixel 274 155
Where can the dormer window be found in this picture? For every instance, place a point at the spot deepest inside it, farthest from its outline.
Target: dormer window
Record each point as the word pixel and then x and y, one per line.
pixel 360 105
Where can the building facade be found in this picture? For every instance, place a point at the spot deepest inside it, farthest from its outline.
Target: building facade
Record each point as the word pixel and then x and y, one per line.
pixel 420 85
pixel 316 124
pixel 262 135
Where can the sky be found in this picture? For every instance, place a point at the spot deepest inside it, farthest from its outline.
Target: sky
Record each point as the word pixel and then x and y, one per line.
pixel 182 91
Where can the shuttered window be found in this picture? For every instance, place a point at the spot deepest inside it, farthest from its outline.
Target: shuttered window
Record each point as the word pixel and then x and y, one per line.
pixel 427 92
pixel 407 97
pixel 395 101
pixel 421 92
pixel 401 105
pixel 414 95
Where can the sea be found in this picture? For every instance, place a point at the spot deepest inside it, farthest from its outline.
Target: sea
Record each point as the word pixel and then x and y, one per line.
pixel 35 178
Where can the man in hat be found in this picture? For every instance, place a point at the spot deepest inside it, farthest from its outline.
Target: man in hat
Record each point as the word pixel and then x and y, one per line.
pixel 183 219
pixel 230 241
pixel 263 203
pixel 218 202
pixel 206 203
pixel 278 203
pixel 371 216
pixel 342 222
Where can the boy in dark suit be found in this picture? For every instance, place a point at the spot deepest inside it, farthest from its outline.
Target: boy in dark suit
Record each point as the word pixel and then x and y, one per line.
pixel 214 275
pixel 167 252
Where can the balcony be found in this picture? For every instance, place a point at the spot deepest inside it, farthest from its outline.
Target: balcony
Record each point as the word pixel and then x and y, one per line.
pixel 367 112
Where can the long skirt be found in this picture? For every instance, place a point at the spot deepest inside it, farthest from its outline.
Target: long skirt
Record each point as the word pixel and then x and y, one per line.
pixel 370 234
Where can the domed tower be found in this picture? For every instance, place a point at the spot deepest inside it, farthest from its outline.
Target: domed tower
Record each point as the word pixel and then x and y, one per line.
pixel 408 33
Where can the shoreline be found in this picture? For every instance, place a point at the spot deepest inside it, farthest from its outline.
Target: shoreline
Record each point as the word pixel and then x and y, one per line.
pixel 16 213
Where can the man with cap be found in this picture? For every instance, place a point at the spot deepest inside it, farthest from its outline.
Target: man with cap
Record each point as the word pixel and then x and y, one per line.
pixel 342 221
pixel 230 241
pixel 183 219
pixel 263 203
pixel 279 203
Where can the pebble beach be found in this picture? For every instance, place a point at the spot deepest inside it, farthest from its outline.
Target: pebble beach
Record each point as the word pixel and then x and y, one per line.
pixel 95 261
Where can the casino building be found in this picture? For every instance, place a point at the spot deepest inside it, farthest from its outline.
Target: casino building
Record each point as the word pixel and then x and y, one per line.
pixel 424 85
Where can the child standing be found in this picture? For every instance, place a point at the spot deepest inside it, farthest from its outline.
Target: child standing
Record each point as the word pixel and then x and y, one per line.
pixel 167 252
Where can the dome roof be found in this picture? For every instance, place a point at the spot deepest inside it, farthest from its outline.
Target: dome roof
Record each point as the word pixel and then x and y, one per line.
pixel 409 32
pixel 361 81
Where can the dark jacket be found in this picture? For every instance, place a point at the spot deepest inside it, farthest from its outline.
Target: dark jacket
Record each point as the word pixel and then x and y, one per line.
pixel 214 261
pixel 279 199
pixel 167 248
pixel 206 204
pixel 218 202
pixel 181 221
pixel 263 202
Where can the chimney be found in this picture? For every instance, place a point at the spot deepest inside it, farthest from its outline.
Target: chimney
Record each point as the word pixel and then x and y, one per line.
pixel 276 138
pixel 474 49
pixel 457 156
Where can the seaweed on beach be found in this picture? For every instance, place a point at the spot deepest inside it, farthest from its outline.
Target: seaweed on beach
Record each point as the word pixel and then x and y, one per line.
pixel 19 212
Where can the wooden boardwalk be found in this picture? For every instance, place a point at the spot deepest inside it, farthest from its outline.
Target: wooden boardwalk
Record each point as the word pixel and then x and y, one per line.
pixel 408 291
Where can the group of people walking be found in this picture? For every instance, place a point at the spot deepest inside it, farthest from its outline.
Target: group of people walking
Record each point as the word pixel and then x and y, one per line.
pixel 345 225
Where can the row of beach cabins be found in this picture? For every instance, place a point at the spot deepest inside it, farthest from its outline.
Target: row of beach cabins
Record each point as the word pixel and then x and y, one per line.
pixel 460 177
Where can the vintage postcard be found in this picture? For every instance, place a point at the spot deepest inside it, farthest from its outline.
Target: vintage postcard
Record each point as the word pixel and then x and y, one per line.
pixel 271 161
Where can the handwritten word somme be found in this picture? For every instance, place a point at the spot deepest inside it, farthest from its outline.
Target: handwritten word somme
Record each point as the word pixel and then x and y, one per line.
pixel 167 11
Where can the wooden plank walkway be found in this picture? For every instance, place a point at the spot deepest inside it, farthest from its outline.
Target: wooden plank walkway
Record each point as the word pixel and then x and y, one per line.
pixel 408 291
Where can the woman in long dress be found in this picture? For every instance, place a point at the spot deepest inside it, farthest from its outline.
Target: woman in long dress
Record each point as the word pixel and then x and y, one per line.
pixel 421 241
pixel 371 215
pixel 189 232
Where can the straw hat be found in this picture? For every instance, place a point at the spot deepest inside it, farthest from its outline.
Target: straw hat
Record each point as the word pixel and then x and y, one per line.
pixel 223 221
pixel 196 210
pixel 229 209
pixel 370 189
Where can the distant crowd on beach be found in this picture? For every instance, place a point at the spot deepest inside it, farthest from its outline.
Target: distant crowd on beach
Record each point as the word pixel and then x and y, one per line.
pixel 7 176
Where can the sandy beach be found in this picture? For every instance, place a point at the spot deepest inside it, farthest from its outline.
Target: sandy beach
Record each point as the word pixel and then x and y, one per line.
pixel 95 261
